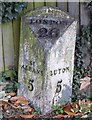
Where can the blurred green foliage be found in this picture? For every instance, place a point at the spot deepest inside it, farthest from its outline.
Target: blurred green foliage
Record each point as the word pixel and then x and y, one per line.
pixel 83 40
pixel 10 77
pixel 89 5
pixel 11 10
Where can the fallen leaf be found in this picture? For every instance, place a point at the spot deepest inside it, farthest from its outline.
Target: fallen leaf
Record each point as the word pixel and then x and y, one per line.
pixel 21 102
pixel 72 109
pixel 11 94
pixel 72 113
pixel 13 99
pixel 6 103
pixel 27 116
pixel 60 116
pixel 84 101
pixel 3 103
pixel 10 116
pixel 2 94
pixel 84 116
pixel 28 109
pixel 84 82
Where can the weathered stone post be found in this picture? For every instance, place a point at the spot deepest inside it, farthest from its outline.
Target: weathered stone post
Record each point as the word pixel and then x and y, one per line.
pixel 46 60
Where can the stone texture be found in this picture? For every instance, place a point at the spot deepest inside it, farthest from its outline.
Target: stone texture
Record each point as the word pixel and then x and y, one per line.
pixel 46 60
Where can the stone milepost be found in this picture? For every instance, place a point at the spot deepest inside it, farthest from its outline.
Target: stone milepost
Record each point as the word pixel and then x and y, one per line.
pixel 46 61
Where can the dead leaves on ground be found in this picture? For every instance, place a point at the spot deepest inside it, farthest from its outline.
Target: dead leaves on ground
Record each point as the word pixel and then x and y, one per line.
pixel 17 106
pixel 27 116
pixel 79 108
pixel 19 100
pixel 11 94
pixel 72 109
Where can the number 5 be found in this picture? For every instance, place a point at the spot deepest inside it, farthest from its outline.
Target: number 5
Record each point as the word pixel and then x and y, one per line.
pixel 30 86
pixel 59 87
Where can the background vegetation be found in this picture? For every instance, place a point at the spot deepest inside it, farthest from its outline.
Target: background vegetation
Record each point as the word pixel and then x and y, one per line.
pixel 10 11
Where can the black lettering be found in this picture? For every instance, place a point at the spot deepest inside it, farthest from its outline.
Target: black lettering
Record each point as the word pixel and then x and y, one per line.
pixel 29 68
pixel 52 22
pixel 59 87
pixel 45 21
pixel 56 22
pixel 33 63
pixel 34 71
pixel 60 22
pixel 49 22
pixel 31 80
pixel 67 68
pixel 30 62
pixel 42 32
pixel 34 21
pixel 54 32
pixel 38 21
pixel 31 21
pixel 38 71
pixel 51 73
pixel 30 86
pixel 55 72
pixel 25 67
pixel 59 71
pixel 60 81
pixel 63 70
pixel 22 66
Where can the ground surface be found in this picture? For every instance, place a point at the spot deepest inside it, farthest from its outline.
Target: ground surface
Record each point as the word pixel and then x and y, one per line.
pixel 17 107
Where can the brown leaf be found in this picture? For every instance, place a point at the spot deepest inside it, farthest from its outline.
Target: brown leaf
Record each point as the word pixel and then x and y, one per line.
pixel 85 82
pixel 60 116
pixel 21 102
pixel 28 109
pixel 3 103
pixel 88 102
pixel 13 99
pixel 10 116
pixel 71 113
pixel 11 94
pixel 86 86
pixel 70 109
pixel 27 116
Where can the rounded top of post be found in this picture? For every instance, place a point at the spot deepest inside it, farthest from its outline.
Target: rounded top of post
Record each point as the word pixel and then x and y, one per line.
pixel 49 12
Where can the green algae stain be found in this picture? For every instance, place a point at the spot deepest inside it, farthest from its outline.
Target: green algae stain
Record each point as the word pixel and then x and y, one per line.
pixel 40 64
pixel 34 54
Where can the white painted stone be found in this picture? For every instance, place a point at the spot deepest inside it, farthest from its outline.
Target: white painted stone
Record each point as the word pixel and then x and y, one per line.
pixel 46 62
pixel 61 61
